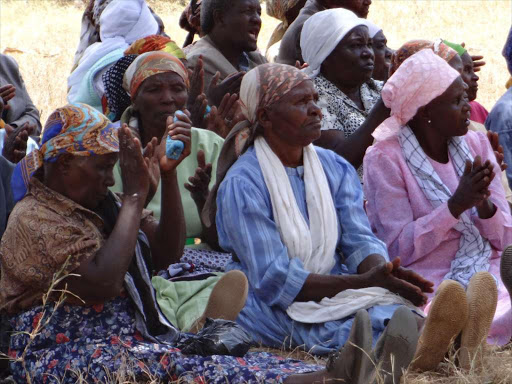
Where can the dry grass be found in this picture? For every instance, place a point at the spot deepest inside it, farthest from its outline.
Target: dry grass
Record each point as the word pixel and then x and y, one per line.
pixel 46 33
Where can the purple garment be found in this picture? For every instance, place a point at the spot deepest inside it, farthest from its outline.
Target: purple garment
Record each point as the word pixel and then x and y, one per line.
pixel 424 238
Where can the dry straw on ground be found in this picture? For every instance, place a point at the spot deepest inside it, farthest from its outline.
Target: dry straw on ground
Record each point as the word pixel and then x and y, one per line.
pixel 42 35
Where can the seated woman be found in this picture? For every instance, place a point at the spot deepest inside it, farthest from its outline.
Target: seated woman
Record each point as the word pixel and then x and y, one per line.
pixel 478 111
pixel 288 211
pixel 347 92
pixel 229 46
pixel 68 222
pixel 381 51
pixel 287 12
pixel 19 110
pixel 453 220
pixel 158 85
pixel 122 23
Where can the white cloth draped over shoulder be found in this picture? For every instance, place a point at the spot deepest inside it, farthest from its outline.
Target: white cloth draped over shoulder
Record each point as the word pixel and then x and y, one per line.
pixel 315 248
pixel 122 23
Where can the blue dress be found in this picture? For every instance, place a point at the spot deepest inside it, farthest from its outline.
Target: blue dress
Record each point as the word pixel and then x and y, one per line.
pixel 247 229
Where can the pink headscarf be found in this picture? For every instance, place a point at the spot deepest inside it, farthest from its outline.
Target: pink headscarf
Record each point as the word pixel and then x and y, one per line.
pixel 419 80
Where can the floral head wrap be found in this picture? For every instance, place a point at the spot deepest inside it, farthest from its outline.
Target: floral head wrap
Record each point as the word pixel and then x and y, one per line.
pixel 155 43
pixel 277 9
pixel 414 46
pixel 149 64
pixel 261 87
pixel 419 80
pixel 75 129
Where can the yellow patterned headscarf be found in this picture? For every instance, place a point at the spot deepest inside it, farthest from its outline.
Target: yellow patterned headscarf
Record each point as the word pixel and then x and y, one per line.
pixel 150 64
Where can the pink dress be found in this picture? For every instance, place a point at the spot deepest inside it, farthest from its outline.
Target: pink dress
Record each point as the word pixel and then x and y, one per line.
pixel 424 238
pixel 478 112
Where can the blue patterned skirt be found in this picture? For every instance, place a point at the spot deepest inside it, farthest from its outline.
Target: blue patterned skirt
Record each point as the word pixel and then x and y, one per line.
pixel 98 342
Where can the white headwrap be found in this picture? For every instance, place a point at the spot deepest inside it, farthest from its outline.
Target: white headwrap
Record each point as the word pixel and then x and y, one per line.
pixel 322 32
pixel 121 23
pixel 374 29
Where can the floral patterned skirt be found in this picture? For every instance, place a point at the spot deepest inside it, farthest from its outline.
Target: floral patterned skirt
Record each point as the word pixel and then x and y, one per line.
pixel 100 344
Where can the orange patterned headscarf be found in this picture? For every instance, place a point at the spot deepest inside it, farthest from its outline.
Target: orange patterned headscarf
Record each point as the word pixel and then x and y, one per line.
pixel 150 64
pixel 414 46
pixel 155 43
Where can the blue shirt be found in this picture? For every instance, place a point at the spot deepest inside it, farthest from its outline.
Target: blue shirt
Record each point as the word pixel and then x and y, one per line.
pixel 500 121
pixel 246 226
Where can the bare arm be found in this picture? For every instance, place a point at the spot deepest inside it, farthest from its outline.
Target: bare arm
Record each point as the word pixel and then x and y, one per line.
pixel 354 147
pixel 167 238
pixel 103 276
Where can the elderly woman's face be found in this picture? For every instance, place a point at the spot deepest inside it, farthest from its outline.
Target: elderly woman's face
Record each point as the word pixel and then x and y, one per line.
pixel 159 97
pixel 242 23
pixel 89 178
pixel 352 61
pixel 451 111
pixel 296 118
pixel 382 57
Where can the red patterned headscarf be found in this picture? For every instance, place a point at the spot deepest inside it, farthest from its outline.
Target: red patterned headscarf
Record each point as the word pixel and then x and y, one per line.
pixel 414 46
pixel 150 64
pixel 155 43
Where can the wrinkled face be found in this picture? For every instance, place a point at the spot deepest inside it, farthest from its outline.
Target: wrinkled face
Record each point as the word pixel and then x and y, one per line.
pixel 159 97
pixel 382 57
pixel 451 110
pixel 296 118
pixel 89 178
pixel 352 60
pixel 242 24
pixel 469 76
pixel 360 7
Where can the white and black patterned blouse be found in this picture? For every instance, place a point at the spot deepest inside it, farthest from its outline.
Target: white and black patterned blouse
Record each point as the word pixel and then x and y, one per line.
pixel 340 112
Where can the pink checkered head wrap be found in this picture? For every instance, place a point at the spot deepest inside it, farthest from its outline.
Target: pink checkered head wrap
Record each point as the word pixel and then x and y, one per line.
pixel 420 79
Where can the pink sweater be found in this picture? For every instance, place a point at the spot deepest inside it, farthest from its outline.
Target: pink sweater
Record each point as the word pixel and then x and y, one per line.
pixel 424 238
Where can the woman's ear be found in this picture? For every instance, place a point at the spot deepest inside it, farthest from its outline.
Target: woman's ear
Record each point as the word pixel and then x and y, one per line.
pixel 263 118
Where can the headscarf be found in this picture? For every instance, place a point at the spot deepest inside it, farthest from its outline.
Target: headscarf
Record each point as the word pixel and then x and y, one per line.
pixel 149 64
pixel 414 46
pixel 322 32
pixel 456 47
pixel 155 43
pixel 374 29
pixel 116 99
pixel 419 80
pixel 75 129
pixel 277 9
pixel 122 22
pixel 261 87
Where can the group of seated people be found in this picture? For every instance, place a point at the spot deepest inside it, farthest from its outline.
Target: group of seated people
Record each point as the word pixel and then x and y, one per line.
pixel 336 196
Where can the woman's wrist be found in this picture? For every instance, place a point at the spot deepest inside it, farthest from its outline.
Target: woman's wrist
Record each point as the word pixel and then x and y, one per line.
pixel 486 210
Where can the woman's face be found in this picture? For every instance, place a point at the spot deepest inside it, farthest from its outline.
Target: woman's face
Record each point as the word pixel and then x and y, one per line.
pixel 360 7
pixel 89 178
pixel 352 62
pixel 296 118
pixel 469 76
pixel 382 57
pixel 450 112
pixel 159 97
